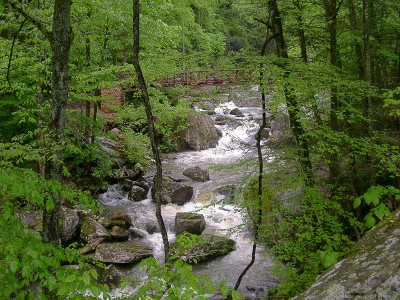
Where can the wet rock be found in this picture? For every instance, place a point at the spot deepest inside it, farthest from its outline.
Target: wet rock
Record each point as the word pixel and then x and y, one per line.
pixel 211 247
pixel 196 173
pixel 108 224
pixel 91 231
pixel 175 192
pixel 137 193
pixel 151 226
pixel 201 133
pixel 127 184
pixel 123 216
pixel 236 112
pixel 70 224
pixel 131 174
pixel 190 222
pixel 119 234
pixel 123 252
pixel 136 233
pixel 372 270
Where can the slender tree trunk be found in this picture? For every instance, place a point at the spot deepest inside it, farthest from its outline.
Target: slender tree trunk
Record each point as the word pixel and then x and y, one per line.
pixel 41 165
pixel 368 61
pixel 150 121
pixel 61 40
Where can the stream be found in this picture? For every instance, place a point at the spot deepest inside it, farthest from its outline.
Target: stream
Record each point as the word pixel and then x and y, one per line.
pixel 229 164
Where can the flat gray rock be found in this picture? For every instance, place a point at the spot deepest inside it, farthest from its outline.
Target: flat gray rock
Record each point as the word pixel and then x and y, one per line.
pixel 123 252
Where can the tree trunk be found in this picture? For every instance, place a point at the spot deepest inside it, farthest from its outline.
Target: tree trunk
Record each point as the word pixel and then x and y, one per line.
pixel 300 31
pixel 357 45
pixel 331 11
pixel 61 39
pixel 291 101
pixel 150 120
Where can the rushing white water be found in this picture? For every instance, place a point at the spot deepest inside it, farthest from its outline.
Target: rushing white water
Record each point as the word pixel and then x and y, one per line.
pixel 235 148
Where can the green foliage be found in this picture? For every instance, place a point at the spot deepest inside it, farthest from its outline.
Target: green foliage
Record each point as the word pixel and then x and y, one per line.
pixel 306 234
pixel 30 269
pixel 382 201
pixel 82 157
pixel 392 101
pixel 170 119
pixel 27 185
pixel 136 147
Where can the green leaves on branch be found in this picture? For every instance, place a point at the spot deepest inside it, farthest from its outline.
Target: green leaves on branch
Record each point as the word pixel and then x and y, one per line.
pixel 30 269
pixel 381 199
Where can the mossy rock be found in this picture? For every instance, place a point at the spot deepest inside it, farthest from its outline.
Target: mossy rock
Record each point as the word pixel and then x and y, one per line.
pixel 123 252
pixel 211 247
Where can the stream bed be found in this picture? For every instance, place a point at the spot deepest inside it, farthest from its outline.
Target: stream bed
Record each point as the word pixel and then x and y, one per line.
pixel 229 164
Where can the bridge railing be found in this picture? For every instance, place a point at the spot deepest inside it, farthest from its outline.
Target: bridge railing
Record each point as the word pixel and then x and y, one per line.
pixel 215 77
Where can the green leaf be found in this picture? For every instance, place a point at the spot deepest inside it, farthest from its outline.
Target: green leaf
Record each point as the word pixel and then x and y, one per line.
pixel 95 291
pixel 86 278
pixel 70 278
pixel 14 266
pixel 328 258
pixel 381 211
pixel 369 221
pixel 235 295
pixel 225 290
pixel 357 202
pixel 62 290
pixel 371 198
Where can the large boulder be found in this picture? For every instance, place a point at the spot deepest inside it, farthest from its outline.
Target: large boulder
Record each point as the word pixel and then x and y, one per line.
pixel 190 222
pixel 372 270
pixel 201 133
pixel 175 192
pixel 211 247
pixel 92 231
pixel 122 253
pixel 196 173
pixel 70 225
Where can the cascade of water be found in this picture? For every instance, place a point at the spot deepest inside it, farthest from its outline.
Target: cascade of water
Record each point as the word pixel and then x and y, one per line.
pixel 236 144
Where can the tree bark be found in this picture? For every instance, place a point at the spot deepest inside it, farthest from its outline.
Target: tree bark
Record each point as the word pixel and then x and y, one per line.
pixel 150 120
pixel 61 39
pixel 291 101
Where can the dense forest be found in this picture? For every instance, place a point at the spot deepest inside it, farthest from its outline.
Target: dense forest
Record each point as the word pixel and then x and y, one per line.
pixel 326 71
